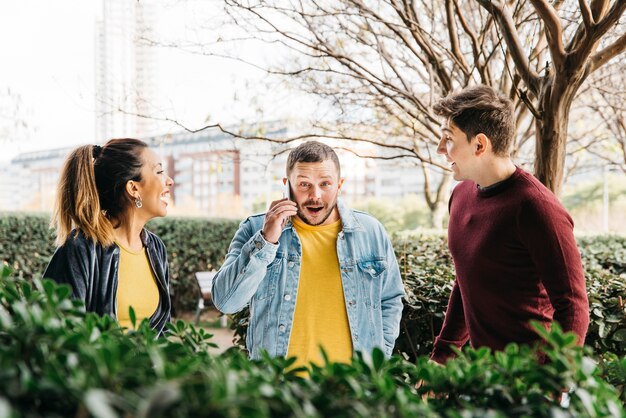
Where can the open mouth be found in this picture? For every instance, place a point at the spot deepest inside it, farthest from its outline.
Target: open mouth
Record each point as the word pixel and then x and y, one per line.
pixel 165 197
pixel 315 209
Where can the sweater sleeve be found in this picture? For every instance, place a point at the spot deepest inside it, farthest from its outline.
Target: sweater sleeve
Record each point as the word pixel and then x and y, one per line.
pixel 454 331
pixel 547 232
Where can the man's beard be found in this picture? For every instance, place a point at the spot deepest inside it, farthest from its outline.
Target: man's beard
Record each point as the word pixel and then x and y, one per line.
pixel 303 218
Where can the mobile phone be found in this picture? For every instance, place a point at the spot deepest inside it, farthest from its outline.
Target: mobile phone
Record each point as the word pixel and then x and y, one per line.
pixel 287 190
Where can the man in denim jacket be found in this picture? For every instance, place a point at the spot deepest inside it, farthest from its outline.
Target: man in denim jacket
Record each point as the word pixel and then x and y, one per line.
pixel 314 272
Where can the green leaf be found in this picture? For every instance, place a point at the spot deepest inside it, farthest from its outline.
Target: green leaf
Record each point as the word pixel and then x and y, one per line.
pixel 159 400
pixel 132 316
pixel 619 335
pixel 378 358
pixel 97 403
pixel 5 409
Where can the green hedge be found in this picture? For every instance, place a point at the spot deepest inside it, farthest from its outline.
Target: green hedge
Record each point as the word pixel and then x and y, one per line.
pixel 57 361
pixel 194 244
pixel 428 272
pixel 26 243
pixel 425 263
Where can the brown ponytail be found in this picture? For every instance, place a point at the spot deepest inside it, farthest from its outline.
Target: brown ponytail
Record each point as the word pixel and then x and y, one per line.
pixel 77 201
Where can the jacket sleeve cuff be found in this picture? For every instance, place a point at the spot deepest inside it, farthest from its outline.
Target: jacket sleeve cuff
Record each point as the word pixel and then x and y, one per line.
pixel 262 249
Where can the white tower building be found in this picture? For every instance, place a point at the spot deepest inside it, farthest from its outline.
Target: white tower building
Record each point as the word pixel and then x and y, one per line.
pixel 125 69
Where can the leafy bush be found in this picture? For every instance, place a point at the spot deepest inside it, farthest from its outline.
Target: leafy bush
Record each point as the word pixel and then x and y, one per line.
pixel 27 242
pixel 193 244
pixel 428 273
pixel 604 259
pixel 397 215
pixel 58 361
pixel 425 263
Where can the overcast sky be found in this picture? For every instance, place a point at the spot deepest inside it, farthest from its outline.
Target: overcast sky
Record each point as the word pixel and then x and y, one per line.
pixel 47 59
pixel 47 56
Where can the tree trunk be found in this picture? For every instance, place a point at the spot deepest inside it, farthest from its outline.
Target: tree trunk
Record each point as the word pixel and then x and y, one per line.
pixel 551 131
pixel 438 204
pixel 551 140
pixel 437 213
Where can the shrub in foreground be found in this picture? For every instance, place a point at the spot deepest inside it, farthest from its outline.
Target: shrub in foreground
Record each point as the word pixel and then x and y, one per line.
pixel 425 264
pixel 58 361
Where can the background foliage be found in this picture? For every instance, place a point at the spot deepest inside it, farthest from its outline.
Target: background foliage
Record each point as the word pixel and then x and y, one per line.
pixel 193 244
pixel 58 361
pixel 425 264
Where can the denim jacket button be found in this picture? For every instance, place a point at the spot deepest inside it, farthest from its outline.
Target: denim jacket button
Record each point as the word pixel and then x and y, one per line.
pixel 372 271
pixel 287 297
pixel 290 264
pixel 281 328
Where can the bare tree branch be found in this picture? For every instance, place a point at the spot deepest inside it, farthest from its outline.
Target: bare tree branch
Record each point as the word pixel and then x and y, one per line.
pixel 408 151
pixel 602 57
pixel 598 9
pixel 452 32
pixel 554 31
pixel 509 32
pixel 381 64
pixel 585 11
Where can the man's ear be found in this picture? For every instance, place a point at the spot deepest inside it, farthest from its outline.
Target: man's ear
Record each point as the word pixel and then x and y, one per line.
pixel 481 144
pixel 131 188
pixel 341 180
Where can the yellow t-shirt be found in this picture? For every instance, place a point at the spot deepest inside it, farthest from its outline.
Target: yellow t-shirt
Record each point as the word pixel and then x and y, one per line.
pixel 136 287
pixel 320 317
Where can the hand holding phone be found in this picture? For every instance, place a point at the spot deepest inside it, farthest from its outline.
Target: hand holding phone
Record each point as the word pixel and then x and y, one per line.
pixel 277 215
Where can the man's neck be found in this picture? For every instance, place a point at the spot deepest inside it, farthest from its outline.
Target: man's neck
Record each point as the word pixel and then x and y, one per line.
pixel 496 170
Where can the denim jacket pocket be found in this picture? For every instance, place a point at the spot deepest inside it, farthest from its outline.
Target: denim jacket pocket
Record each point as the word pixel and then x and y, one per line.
pixel 370 271
pixel 373 267
pixel 267 287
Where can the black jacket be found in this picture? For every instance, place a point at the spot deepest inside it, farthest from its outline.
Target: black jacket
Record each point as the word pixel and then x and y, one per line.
pixel 92 272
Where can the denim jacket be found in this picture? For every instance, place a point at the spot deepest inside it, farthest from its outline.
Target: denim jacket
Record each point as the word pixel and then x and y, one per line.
pixel 266 275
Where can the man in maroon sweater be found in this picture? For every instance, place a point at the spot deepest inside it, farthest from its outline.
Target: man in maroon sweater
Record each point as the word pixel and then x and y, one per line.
pixel 511 240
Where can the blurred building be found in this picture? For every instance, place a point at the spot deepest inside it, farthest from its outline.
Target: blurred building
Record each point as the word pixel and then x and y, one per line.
pixel 28 182
pixel 217 175
pixel 125 69
pixel 13 181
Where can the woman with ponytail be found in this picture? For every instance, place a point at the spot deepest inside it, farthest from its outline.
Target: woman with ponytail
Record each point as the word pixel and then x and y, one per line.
pixel 104 198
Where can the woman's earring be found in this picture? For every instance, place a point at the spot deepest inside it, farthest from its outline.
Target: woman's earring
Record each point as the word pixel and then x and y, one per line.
pixel 138 202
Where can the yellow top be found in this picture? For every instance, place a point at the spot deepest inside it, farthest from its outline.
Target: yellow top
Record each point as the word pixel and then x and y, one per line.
pixel 320 317
pixel 136 287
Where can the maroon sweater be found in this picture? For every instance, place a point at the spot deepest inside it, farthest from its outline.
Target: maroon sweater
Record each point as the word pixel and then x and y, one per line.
pixel 516 259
